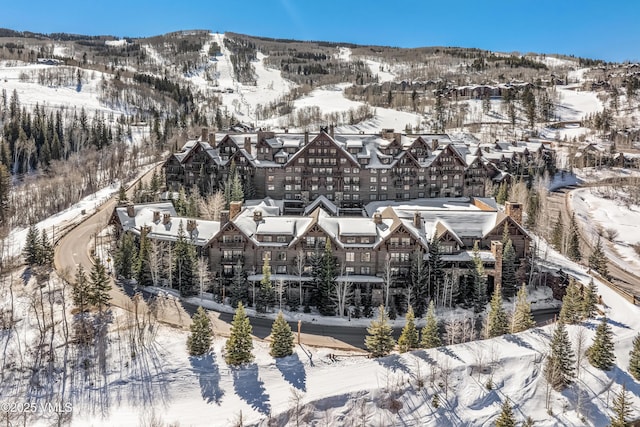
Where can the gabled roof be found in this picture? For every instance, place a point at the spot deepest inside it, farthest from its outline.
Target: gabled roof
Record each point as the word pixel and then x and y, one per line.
pixel 314 143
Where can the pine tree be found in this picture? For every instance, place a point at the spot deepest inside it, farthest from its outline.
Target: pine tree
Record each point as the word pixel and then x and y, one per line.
pixel 281 338
pixel 122 195
pixel 506 418
pixel 199 342
pixel 573 249
pixel 522 317
pixel 509 281
pixel 419 280
pixel 622 409
pixel 100 285
pixel 634 359
pixel 184 265
pixel 557 234
pixel 479 281
pixel 598 260
pixel 31 249
pixel 239 345
pixel 379 340
pixel 501 196
pixel 238 291
pixel 142 265
pixel 430 332
pixel 559 370
pixel 5 188
pixel 590 300
pixel 600 354
pixel 46 253
pixel 125 255
pixel 265 300
pixel 81 290
pixel 497 322
pixel 572 306
pixel 324 275
pixel 409 337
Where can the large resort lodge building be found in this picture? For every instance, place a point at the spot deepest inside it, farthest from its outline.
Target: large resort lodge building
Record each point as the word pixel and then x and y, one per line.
pixel 379 200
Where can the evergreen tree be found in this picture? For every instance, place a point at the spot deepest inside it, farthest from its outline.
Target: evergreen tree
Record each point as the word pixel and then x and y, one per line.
pixel 501 196
pixel 122 195
pixel 281 338
pixel 572 306
pixel 634 359
pixel 435 267
pixel 497 322
pixel 533 208
pixel 239 345
pixel 522 317
pixel 100 285
pixel 143 260
pixel 600 354
pixel 5 188
pixel 31 249
pixel 622 409
pixel 409 337
pixel 598 260
pixel 181 203
pixel 590 300
pixel 430 332
pixel 238 291
pixel 81 290
pixel 45 255
pixel 324 275
pixel 509 281
pixel 573 248
pixel 265 300
pixel 506 418
pixel 125 255
pixel 379 340
pixel 184 265
pixel 559 371
pixel 419 280
pixel 557 234
pixel 199 342
pixel 479 281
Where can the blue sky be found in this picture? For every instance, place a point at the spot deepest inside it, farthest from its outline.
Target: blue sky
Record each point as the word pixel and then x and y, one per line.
pixel 596 29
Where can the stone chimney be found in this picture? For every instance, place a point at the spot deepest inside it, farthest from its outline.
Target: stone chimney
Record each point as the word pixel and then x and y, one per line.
pixel 434 144
pixel 306 137
pixel 204 135
pixel 496 251
pixel 224 217
pixel 257 215
pixel 166 218
pixel 234 209
pixel 191 225
pixel 331 130
pixel 144 230
pixel 131 211
pixel 286 130
pixel 212 139
pixel 417 220
pixel 156 216
pixel 247 144
pixel 514 210
pixel 377 218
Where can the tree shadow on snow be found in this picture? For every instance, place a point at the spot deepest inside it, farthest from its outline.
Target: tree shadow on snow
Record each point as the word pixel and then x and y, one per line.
pixel 618 324
pixel 250 388
pixel 623 378
pixel 515 339
pixel 424 356
pixel 449 353
pixel 208 376
pixel 292 371
pixel 393 363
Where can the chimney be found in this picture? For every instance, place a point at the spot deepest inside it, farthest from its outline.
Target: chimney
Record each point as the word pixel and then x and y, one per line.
pixel 377 218
pixel 306 137
pixel 257 215
pixel 144 230
pixel 131 211
pixel 417 220
pixel 224 217
pixel 434 144
pixel 191 225
pixel 234 209
pixel 205 134
pixel 247 144
pixel 496 251
pixel 166 218
pixel 514 210
pixel 331 130
pixel 286 130
pixel 156 216
pixel 212 139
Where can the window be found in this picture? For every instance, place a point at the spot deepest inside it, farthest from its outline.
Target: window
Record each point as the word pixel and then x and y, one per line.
pixel 405 241
pixel 227 270
pixel 281 269
pixel 373 179
pixel 270 178
pixel 383 179
pixel 266 255
pixel 349 270
pixel 281 239
pixel 373 188
pixel 343 161
pixel 350 239
pixel 364 240
pixel 346 170
pixel 271 187
pixel 288 187
pixel 267 239
pixel 349 256
pixel 365 270
pixel 365 257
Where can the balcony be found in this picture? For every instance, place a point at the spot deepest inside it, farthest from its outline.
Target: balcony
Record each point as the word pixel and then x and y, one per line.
pixel 232 259
pixel 238 244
